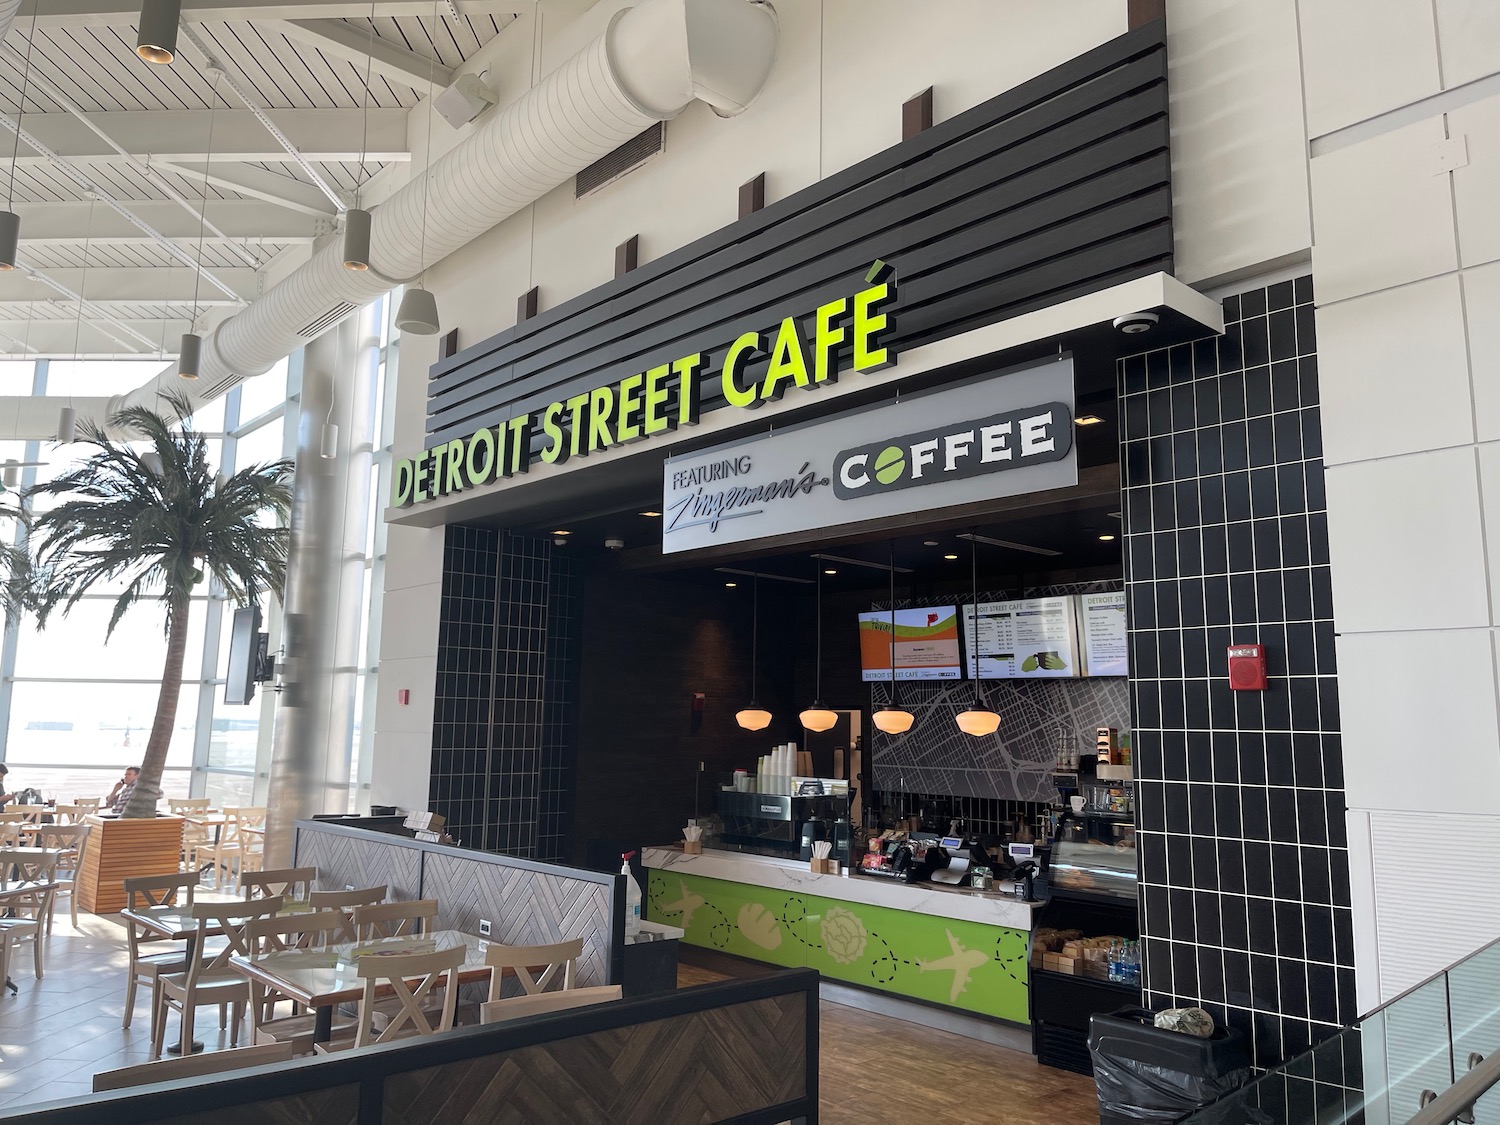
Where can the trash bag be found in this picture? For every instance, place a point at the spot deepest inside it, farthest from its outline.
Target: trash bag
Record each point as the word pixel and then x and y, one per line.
pixel 1146 1074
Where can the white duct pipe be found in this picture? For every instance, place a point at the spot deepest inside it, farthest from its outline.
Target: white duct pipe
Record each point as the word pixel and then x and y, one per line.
pixel 651 62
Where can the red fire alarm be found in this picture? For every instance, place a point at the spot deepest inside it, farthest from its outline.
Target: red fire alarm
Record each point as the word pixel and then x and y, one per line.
pixel 1247 667
pixel 403 696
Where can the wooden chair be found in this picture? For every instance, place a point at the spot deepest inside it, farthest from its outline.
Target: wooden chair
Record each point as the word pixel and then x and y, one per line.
pixel 521 959
pixel 394 919
pixel 226 851
pixel 293 884
pixel 142 893
pixel 314 930
pixel 347 900
pixel 432 971
pixel 88 805
pixel 72 840
pixel 31 814
pixel 13 930
pixel 191 1066
pixel 250 828
pixel 498 1011
pixel 28 913
pixel 10 829
pixel 195 837
pixel 209 978
pixel 73 814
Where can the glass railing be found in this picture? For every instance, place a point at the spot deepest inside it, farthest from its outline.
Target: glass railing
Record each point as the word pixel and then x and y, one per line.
pixel 1430 1056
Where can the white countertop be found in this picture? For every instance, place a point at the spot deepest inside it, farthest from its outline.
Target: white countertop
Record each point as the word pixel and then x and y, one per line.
pixel 993 908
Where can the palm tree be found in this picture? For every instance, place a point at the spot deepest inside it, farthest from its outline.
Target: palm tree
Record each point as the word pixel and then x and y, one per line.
pixel 149 510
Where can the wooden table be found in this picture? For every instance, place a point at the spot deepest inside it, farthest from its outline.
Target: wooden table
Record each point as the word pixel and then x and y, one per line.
pixel 324 979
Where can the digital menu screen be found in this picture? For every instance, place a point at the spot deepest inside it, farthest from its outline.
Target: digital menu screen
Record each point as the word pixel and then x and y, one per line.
pixel 926 645
pixel 1106 647
pixel 1026 639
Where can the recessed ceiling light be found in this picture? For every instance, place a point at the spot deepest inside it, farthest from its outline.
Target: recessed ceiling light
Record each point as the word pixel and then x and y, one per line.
pixel 830 570
pixel 950 558
pixel 651 514
pixel 1088 420
pixel 562 533
pixel 929 542
pixel 1106 538
pixel 730 585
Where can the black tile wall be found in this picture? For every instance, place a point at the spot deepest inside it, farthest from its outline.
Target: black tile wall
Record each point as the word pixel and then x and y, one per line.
pixel 1244 863
pixel 501 763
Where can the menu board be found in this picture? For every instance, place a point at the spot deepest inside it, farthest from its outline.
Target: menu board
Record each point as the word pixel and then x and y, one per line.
pixel 1027 639
pixel 1101 624
pixel 926 645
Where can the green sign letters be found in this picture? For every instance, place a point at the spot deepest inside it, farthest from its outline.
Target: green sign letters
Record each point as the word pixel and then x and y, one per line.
pixel 661 399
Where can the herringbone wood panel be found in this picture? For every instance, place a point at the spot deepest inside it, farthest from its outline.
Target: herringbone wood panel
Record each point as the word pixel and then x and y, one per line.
pixel 525 907
pixel 686 1070
pixel 338 1106
pixel 345 861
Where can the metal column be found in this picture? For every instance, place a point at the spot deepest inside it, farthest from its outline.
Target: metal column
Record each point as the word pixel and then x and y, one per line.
pixel 325 583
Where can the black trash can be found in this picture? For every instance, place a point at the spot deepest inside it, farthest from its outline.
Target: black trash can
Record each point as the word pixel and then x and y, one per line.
pixel 1147 1075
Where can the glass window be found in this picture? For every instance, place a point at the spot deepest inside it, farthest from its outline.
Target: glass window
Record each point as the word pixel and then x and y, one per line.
pixel 259 447
pixel 71 725
pixel 98 377
pixel 262 392
pixel 232 743
pixel 16 376
pixel 209 417
pixel 229 790
pixel 74 646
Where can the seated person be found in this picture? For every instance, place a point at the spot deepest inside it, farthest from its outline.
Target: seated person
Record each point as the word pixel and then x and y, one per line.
pixel 123 789
pixel 5 798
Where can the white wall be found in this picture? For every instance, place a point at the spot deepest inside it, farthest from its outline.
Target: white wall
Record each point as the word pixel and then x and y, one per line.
pixel 1406 264
pixel 834 98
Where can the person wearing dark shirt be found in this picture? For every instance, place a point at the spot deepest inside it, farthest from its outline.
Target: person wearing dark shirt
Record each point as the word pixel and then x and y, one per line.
pixel 5 797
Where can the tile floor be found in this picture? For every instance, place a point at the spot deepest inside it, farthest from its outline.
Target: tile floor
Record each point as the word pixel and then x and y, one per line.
pixel 63 1028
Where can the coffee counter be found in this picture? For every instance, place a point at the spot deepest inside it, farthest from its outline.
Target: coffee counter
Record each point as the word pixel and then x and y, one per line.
pixel 950 946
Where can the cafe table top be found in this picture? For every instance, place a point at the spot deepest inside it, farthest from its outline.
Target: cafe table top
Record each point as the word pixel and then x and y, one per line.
pixel 320 978
pixel 14 889
pixel 177 922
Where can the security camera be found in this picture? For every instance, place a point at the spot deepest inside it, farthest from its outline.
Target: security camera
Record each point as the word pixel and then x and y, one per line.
pixel 615 544
pixel 1133 324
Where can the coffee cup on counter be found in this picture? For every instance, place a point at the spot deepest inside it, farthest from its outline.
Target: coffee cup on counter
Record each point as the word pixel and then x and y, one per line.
pixel 1077 803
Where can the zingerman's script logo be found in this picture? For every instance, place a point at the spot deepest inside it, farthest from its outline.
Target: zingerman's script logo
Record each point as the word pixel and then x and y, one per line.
pixel 1012 440
pixel 712 506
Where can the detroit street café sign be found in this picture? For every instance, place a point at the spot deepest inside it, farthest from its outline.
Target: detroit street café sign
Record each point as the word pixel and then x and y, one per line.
pixel 999 436
pixel 800 352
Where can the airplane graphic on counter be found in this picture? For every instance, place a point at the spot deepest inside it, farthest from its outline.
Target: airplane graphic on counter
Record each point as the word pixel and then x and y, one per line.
pixel 687 905
pixel 961 962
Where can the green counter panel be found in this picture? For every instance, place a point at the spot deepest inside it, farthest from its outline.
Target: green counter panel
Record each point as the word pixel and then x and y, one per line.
pixel 960 964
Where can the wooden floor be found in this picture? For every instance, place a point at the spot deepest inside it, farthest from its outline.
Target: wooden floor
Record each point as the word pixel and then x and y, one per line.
pixel 877 1070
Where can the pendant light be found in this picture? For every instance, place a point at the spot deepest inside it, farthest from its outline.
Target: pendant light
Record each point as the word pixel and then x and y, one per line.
pixel 190 350
pixel 67 425
pixel 892 718
pixel 10 222
pixel 978 720
pixel 753 716
pixel 818 717
pixel 156 36
pixel 356 218
pixel 418 312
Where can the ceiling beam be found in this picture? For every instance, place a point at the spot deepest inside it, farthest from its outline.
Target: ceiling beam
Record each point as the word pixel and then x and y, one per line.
pixel 136 283
pixel 260 184
pixel 321 135
pixel 245 220
pixel 96 13
pixel 346 41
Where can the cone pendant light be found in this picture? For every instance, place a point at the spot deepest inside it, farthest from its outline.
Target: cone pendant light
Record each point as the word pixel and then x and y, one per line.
pixel 892 718
pixel 753 716
pixel 978 720
pixel 818 717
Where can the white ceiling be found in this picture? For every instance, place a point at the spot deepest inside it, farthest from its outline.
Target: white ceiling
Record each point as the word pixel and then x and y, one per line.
pixel 83 203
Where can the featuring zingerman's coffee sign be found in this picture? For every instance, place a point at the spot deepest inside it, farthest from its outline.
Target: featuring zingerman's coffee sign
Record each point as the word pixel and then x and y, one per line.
pixel 1000 436
pixel 799 352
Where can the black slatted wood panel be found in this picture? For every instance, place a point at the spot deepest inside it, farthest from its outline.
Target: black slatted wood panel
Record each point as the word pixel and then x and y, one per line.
pixel 1054 189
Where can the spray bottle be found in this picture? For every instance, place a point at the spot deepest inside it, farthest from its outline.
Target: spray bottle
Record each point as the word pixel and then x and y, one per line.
pixel 632 897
